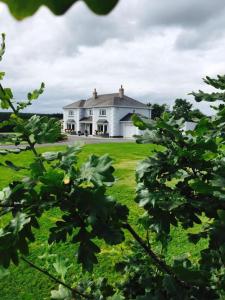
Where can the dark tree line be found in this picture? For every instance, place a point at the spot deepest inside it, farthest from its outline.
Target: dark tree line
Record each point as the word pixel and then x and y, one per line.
pixel 181 109
pixel 4 116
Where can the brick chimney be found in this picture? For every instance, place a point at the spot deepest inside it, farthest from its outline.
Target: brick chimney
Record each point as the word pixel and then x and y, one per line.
pixel 95 95
pixel 121 92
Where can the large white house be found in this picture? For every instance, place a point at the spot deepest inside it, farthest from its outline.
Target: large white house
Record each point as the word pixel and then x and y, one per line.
pixel 107 115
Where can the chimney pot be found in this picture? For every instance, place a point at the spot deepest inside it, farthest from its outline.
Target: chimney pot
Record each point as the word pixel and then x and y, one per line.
pixel 121 92
pixel 95 95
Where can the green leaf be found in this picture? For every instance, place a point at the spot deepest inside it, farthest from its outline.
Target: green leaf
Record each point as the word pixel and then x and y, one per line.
pixel 2 48
pixel 17 224
pixel 98 170
pixel 2 74
pixel 87 250
pixel 116 297
pixel 21 9
pixel 50 156
pixel 36 93
pixel 61 294
pixel 3 272
pixel 201 186
pixel 40 129
pixel 61 266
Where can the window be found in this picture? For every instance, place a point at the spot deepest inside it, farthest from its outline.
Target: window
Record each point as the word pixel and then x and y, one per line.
pixel 71 113
pixel 90 112
pixel 102 112
pixel 102 128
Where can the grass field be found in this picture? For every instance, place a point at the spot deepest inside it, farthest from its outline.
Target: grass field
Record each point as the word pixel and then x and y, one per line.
pixel 25 283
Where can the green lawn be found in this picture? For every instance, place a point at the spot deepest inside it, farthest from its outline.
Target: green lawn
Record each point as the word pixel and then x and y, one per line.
pixel 25 283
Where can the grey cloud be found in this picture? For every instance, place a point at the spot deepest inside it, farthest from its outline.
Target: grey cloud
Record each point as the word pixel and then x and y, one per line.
pixel 181 13
pixel 205 37
pixel 140 44
pixel 133 18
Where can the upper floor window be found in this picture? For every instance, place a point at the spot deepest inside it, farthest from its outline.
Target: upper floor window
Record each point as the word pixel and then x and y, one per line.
pixel 102 112
pixel 90 112
pixel 71 113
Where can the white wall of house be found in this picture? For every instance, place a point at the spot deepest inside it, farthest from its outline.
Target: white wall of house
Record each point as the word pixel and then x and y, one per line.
pixel 120 112
pixel 113 116
pixel 96 116
pixel 70 114
pixel 129 130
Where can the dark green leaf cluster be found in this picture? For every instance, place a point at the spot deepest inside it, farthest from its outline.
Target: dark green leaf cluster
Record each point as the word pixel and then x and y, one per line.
pixel 184 185
pixel 142 281
pixel 87 212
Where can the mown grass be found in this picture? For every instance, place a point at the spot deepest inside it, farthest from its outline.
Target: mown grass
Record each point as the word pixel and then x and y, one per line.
pixel 26 283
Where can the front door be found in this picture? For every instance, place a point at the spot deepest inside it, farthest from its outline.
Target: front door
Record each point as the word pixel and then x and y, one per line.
pixel 90 129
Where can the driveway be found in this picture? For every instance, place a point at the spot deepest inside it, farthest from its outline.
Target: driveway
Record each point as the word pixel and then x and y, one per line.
pixel 81 139
pixel 96 140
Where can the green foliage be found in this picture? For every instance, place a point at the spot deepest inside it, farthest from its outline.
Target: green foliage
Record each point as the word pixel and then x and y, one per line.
pixel 61 294
pixel 21 9
pixel 180 185
pixel 35 285
pixel 183 109
pixel 158 110
pixel 5 123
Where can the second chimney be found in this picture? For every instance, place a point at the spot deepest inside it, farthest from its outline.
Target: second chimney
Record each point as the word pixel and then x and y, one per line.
pixel 121 92
pixel 95 95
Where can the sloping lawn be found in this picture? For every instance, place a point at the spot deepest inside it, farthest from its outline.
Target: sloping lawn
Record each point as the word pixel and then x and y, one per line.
pixel 26 283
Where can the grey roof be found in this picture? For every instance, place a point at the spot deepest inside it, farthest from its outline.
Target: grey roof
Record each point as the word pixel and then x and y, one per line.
pixel 128 117
pixel 107 100
pixel 86 119
pixel 76 104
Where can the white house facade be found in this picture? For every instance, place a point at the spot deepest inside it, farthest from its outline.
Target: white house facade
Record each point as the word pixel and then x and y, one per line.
pixel 108 115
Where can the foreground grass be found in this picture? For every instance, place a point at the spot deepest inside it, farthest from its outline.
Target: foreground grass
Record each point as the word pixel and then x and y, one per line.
pixel 26 283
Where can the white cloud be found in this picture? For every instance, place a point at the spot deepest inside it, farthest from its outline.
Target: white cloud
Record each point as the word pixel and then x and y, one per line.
pixel 158 51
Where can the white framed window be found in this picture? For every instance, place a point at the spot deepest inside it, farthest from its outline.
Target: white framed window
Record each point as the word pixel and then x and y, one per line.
pixel 103 128
pixel 71 112
pixel 90 112
pixel 102 112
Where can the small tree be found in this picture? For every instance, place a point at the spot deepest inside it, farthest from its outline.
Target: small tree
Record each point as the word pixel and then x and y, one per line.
pixel 182 109
pixel 158 109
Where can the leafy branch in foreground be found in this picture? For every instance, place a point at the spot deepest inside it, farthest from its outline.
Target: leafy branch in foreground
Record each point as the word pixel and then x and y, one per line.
pixel 184 186
pixel 21 9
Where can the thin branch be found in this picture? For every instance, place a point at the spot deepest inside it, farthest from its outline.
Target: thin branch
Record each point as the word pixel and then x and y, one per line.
pixel 73 290
pixel 158 262
pixel 147 239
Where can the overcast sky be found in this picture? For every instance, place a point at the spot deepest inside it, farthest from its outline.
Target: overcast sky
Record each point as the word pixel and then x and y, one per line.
pixel 158 49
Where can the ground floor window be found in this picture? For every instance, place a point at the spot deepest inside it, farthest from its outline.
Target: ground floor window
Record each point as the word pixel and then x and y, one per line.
pixel 70 126
pixel 102 128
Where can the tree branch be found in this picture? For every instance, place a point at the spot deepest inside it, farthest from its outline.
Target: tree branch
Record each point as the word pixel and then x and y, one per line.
pixel 73 290
pixel 158 262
